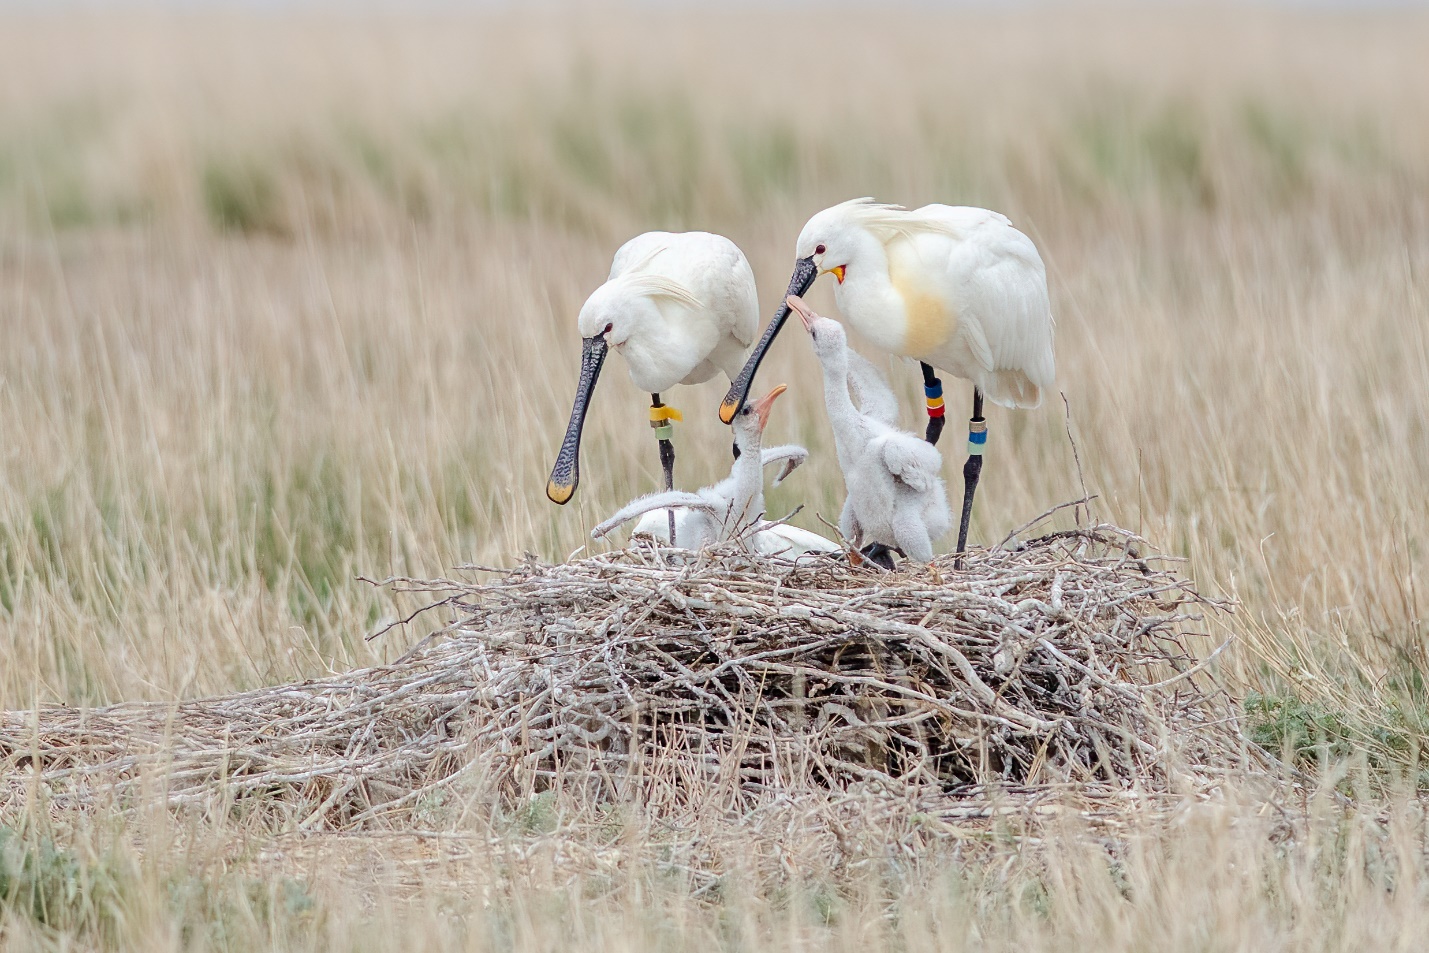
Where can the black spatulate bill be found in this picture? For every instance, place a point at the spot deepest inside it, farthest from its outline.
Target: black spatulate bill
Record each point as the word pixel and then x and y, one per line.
pixel 804 274
pixel 566 474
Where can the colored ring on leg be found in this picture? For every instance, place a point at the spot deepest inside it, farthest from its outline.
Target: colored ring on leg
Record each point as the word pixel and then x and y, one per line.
pixel 664 432
pixel 977 437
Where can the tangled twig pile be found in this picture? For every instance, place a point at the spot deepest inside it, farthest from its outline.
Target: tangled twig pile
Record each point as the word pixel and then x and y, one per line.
pixel 1066 659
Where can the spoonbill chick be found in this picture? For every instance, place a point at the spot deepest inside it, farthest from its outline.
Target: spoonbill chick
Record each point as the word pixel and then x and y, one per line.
pixel 727 509
pixel 778 539
pixel 680 307
pixel 894 479
pixel 956 288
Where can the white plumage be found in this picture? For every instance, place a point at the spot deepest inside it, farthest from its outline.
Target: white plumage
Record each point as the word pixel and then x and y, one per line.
pixel 958 288
pixel 679 308
pixel 732 507
pixel 895 488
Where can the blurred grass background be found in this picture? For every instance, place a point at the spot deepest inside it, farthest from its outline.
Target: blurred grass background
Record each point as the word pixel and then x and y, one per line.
pixel 290 297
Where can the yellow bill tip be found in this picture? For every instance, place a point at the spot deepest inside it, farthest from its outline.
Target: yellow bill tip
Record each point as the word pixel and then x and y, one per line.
pixel 559 493
pixel 727 410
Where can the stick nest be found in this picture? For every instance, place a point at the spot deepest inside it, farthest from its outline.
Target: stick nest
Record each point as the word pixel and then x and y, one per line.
pixel 1070 659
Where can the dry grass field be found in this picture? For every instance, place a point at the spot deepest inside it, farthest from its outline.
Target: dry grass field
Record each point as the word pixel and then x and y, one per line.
pixel 290 298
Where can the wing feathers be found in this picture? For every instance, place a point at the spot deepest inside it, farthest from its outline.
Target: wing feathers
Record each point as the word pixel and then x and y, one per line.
pixel 659 286
pixel 655 501
pixel 790 455
pixel 915 462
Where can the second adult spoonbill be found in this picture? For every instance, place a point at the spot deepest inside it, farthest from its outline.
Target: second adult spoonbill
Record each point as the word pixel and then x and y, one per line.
pixel 954 287
pixel 680 307
pixel 733 507
pixel 893 478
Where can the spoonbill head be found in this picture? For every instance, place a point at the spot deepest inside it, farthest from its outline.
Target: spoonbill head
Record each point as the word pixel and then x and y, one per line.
pixel 956 288
pixel 828 337
pixel 679 308
pixel 750 423
pixel 725 509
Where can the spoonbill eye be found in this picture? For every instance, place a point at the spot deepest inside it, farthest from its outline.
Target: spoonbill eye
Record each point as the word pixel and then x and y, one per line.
pixel 608 328
pixel 820 250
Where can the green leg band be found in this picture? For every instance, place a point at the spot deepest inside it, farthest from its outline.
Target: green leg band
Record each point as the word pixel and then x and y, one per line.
pixel 977 437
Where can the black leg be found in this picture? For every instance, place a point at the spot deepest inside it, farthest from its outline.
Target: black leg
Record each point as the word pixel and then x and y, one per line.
pixel 664 430
pixel 977 438
pixel 933 393
pixel 879 555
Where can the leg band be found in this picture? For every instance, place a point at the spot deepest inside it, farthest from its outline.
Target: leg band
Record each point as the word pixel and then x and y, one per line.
pixel 662 421
pixel 977 437
pixel 933 392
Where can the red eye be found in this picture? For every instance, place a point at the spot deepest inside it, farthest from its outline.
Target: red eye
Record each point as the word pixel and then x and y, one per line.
pixel 820 250
pixel 607 329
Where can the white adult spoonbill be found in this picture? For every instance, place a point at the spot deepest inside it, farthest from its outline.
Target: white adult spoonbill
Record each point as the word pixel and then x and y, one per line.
pixel 680 307
pixel 956 288
pixel 894 479
pixel 730 508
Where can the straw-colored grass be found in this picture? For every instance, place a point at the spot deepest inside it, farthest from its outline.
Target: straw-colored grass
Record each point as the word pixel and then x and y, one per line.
pixel 1066 662
pixel 290 298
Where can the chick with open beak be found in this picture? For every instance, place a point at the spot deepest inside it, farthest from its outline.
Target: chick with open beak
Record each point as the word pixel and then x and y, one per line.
pixel 734 507
pixel 896 498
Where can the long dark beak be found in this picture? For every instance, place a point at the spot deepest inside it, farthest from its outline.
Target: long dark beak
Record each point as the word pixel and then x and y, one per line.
pixel 566 474
pixel 804 275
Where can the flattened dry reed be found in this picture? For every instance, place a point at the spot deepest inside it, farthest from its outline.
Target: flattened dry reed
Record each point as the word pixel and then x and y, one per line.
pixel 1067 660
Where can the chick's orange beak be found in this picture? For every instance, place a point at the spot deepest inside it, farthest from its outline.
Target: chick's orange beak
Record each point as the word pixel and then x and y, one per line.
pixel 797 305
pixel 766 404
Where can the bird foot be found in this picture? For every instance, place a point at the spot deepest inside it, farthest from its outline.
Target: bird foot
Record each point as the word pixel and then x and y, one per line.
pixel 878 554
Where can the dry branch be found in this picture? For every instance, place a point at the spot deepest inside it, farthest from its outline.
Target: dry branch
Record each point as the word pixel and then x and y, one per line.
pixel 1068 661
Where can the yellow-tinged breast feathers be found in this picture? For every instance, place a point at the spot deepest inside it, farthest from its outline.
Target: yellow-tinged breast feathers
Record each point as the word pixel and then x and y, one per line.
pixel 928 324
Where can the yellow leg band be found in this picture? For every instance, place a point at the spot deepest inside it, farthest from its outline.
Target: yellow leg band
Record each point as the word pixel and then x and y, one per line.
pixel 663 413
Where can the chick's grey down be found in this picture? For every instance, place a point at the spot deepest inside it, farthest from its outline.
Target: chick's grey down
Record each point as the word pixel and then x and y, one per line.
pixel 893 478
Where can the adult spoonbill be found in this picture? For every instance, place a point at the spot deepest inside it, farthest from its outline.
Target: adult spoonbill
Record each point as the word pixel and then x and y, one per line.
pixel 680 307
pixel 732 507
pixel 894 478
pixel 956 288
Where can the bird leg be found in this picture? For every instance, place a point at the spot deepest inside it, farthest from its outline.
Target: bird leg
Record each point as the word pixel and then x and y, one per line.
pixel 910 529
pixel 933 393
pixel 878 554
pixel 977 439
pixel 661 417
